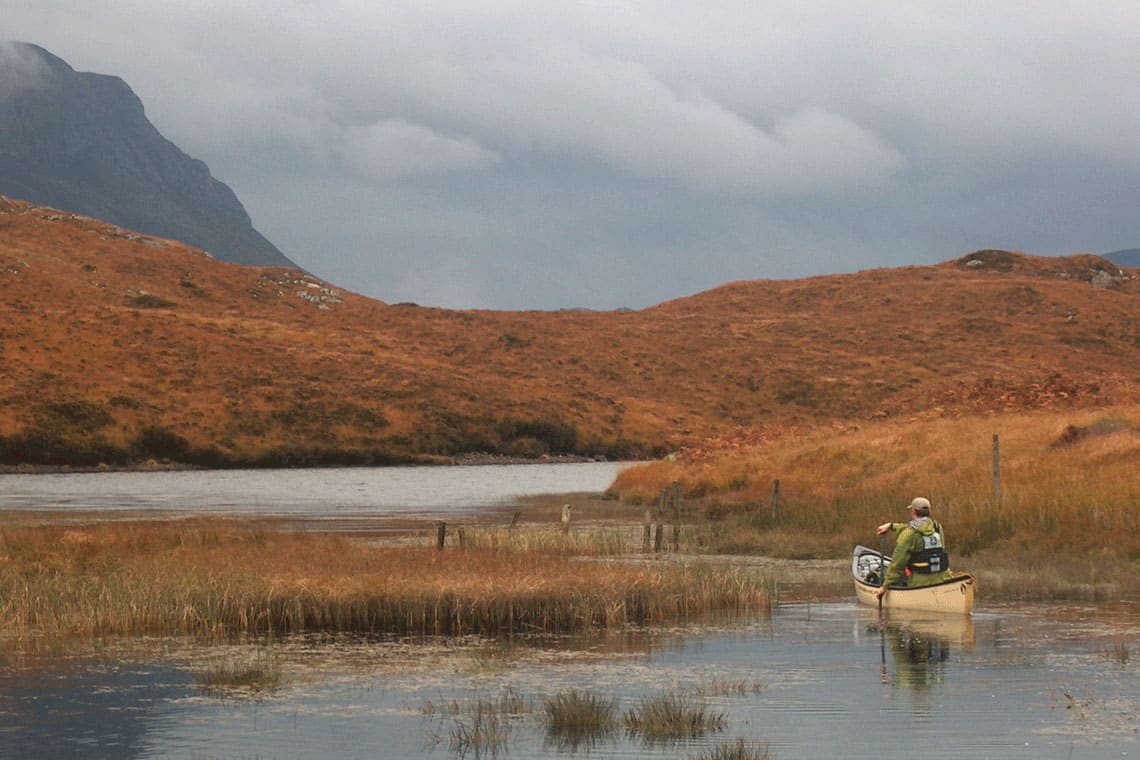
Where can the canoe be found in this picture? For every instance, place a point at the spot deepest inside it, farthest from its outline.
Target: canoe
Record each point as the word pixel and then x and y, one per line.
pixel 953 596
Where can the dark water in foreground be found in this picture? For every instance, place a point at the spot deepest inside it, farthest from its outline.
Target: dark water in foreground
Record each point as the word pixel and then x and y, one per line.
pixel 819 681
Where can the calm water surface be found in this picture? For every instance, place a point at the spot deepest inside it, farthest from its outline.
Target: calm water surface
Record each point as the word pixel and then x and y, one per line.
pixel 820 681
pixel 305 493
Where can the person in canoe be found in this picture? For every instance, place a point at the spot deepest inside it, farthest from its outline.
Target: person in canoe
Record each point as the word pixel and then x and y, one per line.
pixel 920 557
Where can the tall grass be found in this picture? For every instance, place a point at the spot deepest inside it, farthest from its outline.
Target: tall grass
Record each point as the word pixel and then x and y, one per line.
pixel 219 578
pixel 1069 486
pixel 580 542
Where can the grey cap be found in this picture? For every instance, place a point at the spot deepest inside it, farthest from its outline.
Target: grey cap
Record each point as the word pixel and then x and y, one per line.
pixel 920 505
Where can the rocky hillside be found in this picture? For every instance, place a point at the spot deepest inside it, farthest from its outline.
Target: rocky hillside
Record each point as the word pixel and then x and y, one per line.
pixel 119 347
pixel 82 142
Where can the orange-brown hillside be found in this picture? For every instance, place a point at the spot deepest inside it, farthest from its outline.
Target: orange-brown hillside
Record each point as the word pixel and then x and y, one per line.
pixel 118 347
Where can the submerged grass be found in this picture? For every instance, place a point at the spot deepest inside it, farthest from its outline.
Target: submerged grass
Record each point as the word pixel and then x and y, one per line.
pixel 1119 651
pixel 724 686
pixel 221 578
pixel 483 726
pixel 242 679
pixel 737 750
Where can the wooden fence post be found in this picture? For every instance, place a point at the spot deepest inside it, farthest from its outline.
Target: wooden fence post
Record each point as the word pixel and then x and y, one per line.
pixel 648 537
pixel 441 534
pixel 660 523
pixel 775 497
pixel 676 515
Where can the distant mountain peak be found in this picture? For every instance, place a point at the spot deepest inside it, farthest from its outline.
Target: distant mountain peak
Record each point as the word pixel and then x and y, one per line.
pixel 81 142
pixel 1129 257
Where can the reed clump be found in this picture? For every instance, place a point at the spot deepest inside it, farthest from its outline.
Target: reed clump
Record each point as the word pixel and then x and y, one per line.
pixel 1067 487
pixel 222 578
pixel 250 679
pixel 575 718
pixel 672 716
pixel 483 725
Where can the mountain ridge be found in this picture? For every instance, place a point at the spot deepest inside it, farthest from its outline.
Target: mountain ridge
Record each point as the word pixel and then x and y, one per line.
pixel 1129 257
pixel 121 347
pixel 81 142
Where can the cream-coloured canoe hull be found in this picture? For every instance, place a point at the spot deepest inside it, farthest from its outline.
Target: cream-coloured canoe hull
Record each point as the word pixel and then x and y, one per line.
pixel 953 596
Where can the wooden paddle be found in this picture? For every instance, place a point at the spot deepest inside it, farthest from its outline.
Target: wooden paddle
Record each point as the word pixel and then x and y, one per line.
pixel 882 573
pixel 884 677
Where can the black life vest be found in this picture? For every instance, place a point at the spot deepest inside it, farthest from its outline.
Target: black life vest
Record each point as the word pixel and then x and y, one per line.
pixel 932 558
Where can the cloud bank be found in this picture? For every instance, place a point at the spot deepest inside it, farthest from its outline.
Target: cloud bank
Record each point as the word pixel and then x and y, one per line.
pixel 513 155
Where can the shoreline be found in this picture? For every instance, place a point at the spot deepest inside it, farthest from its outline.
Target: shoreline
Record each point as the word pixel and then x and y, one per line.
pixel 459 460
pixel 1001 579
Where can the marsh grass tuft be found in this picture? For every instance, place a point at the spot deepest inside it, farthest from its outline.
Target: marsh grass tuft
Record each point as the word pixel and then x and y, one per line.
pixel 576 718
pixel 483 726
pixel 242 679
pixel 727 687
pixel 433 709
pixel 482 733
pixel 737 750
pixel 1119 651
pixel 671 717
pixel 487 661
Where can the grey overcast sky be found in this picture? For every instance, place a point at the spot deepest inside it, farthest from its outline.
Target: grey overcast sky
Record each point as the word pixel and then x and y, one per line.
pixel 527 154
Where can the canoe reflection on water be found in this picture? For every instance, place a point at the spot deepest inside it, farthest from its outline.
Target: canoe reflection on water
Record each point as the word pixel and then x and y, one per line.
pixel 916 648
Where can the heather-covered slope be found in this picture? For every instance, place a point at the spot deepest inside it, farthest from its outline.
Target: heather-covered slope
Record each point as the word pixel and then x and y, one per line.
pixel 118 347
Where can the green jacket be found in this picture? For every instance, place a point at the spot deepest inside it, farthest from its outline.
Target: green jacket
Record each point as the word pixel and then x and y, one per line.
pixel 908 539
